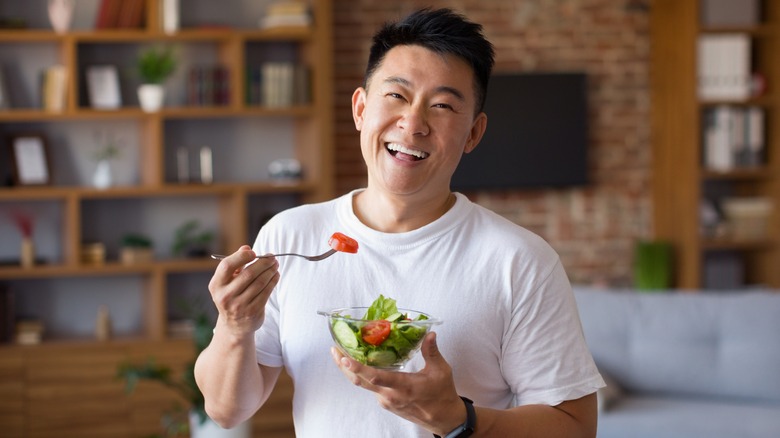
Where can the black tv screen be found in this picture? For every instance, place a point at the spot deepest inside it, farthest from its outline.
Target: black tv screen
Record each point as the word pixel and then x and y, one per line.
pixel 536 135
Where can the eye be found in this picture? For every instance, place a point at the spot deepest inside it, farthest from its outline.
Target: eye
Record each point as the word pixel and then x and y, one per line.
pixel 443 106
pixel 394 95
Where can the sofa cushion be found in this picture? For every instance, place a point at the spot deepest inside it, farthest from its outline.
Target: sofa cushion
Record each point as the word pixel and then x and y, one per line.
pixel 724 344
pixel 668 417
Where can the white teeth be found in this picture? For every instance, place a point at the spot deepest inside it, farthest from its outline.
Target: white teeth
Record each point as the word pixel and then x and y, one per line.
pixel 404 150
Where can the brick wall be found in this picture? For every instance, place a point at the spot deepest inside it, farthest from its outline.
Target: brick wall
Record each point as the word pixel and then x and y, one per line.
pixel 592 228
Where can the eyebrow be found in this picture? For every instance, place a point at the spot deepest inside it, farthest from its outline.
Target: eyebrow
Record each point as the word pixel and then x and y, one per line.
pixel 440 89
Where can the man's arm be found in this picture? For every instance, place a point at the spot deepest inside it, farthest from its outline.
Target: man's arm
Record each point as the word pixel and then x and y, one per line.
pixel 233 384
pixel 572 418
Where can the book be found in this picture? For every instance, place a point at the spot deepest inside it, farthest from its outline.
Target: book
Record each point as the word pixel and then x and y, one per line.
pixel 103 87
pixel 733 137
pixel 729 13
pixel 108 14
pixel 7 315
pixel 5 99
pixel 131 14
pixel 55 88
pixel 208 85
pixel 286 14
pixel 724 66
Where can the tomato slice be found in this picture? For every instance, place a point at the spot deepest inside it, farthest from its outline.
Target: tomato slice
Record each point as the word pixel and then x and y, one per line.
pixel 343 243
pixel 375 332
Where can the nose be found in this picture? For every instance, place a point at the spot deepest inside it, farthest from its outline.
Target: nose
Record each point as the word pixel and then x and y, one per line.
pixel 414 121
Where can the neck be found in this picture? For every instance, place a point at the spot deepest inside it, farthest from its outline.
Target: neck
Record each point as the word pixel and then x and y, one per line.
pixel 398 214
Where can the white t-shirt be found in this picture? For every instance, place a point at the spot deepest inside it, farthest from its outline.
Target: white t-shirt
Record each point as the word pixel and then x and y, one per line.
pixel 510 331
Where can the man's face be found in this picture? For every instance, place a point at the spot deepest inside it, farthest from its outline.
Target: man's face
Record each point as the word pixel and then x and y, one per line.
pixel 416 119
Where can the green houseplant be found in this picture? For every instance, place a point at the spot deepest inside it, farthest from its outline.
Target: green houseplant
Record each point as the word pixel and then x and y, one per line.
pixel 155 65
pixel 190 241
pixel 136 248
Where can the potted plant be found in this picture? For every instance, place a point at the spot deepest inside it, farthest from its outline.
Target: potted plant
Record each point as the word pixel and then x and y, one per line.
pixel 197 422
pixel 108 149
pixel 136 248
pixel 155 65
pixel 190 241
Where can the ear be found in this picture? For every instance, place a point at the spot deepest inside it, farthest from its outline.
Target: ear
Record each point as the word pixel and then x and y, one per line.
pixel 358 106
pixel 477 131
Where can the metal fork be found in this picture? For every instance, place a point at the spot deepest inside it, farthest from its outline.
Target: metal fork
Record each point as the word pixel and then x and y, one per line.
pixel 315 258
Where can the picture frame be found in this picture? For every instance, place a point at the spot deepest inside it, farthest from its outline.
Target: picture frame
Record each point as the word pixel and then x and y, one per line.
pixel 103 87
pixel 30 159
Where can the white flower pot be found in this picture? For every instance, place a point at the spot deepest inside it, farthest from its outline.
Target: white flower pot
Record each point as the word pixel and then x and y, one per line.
pixel 102 179
pixel 210 429
pixel 151 97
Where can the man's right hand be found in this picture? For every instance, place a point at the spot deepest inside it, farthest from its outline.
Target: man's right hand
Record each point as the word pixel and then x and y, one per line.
pixel 240 288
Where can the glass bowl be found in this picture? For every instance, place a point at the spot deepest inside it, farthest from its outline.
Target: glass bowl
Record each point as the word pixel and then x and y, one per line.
pixel 385 344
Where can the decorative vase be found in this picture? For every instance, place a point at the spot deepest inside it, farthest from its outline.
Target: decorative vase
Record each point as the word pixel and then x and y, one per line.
pixel 151 97
pixel 61 14
pixel 27 257
pixel 102 178
pixel 103 324
pixel 210 429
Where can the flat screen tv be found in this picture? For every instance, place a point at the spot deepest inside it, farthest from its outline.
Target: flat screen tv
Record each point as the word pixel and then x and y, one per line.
pixel 536 137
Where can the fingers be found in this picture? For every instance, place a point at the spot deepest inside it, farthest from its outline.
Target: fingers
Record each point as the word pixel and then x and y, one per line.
pixel 241 287
pixel 357 373
pixel 430 350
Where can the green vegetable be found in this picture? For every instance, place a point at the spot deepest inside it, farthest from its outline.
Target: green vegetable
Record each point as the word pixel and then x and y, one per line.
pixel 403 339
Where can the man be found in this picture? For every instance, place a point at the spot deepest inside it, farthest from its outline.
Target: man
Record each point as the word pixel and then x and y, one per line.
pixel 508 361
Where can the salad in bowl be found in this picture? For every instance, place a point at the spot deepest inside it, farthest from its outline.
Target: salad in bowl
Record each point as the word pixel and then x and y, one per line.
pixel 381 335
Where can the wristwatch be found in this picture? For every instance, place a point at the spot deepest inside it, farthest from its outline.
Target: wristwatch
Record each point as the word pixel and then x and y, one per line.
pixel 467 428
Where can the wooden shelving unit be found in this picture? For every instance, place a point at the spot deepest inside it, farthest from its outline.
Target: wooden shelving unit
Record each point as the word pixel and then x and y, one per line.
pixel 680 179
pixel 235 202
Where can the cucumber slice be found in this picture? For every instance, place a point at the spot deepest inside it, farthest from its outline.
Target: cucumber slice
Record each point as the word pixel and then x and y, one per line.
pixel 381 358
pixel 357 354
pixel 395 317
pixel 344 335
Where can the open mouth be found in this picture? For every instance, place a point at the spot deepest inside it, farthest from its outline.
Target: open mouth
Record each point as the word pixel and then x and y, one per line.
pixel 403 152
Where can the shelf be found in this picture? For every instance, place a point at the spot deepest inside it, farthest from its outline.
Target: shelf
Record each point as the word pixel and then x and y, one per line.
pixel 720 244
pixel 143 36
pixel 738 174
pixel 107 269
pixel 678 117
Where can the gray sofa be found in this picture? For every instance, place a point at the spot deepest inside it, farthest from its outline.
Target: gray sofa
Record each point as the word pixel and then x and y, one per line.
pixel 685 365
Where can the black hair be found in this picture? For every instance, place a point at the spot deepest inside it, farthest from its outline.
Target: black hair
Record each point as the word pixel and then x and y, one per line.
pixel 442 31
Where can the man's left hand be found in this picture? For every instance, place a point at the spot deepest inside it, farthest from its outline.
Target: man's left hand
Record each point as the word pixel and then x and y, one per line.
pixel 427 397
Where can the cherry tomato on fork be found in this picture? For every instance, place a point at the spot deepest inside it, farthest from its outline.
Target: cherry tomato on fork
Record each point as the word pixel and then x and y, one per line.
pixel 343 243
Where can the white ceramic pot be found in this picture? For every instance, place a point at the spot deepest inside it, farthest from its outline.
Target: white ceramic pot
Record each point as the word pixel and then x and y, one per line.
pixel 102 178
pixel 151 97
pixel 210 429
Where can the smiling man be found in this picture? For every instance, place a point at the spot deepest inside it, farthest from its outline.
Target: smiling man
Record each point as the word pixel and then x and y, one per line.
pixel 509 360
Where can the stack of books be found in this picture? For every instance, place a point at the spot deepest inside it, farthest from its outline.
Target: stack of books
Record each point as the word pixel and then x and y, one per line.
pixel 208 86
pixel 734 137
pixel 724 67
pixel 286 14
pixel 278 84
pixel 120 14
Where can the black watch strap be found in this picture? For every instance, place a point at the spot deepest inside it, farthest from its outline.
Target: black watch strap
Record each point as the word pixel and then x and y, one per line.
pixel 467 428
